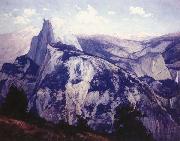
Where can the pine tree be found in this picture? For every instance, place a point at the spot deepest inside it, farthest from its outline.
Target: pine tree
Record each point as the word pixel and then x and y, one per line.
pixel 128 125
pixel 15 104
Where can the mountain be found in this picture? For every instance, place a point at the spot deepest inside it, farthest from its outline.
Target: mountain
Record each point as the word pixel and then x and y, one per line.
pixel 112 49
pixel 15 44
pixel 62 82
pixel 156 57
pixel 39 43
pixel 141 58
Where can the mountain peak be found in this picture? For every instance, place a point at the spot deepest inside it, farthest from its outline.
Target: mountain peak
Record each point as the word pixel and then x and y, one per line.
pixel 39 43
pixel 47 30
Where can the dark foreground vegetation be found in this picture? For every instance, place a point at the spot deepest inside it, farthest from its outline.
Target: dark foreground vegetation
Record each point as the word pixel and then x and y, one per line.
pixel 16 124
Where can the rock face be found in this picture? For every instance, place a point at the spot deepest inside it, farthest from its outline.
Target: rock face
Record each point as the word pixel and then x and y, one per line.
pixel 62 82
pixel 153 65
pixel 39 43
pixel 168 95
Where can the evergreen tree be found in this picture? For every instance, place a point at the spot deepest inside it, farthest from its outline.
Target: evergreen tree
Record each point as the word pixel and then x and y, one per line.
pixel 128 125
pixel 82 124
pixel 15 104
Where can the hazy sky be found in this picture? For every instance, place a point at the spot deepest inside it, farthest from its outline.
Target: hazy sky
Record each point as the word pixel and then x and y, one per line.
pixel 121 17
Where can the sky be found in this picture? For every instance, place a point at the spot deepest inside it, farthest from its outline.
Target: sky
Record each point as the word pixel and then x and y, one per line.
pixel 112 17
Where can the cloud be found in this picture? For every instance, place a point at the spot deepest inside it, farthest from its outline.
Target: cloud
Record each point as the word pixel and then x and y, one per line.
pixel 111 12
pixel 29 12
pixel 90 16
pixel 7 15
pixel 16 9
pixel 139 11
pixel 24 18
pixel 77 7
pixel 85 21
pixel 21 20
pixel 57 22
pixel 45 9
pixel 89 21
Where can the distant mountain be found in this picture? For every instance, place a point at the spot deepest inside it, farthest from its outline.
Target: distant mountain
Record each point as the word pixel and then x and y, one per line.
pixel 62 82
pixel 157 57
pixel 169 47
pixel 15 44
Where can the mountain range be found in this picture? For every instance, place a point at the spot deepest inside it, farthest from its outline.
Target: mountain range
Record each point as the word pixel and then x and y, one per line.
pixel 91 79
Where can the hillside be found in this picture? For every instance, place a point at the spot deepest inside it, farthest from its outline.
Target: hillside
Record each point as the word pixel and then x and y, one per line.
pixel 17 130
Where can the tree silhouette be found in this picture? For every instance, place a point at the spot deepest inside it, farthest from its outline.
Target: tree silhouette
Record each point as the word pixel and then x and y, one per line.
pixel 82 124
pixel 128 125
pixel 15 104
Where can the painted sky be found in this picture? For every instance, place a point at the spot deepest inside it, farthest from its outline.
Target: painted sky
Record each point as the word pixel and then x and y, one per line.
pixel 113 17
